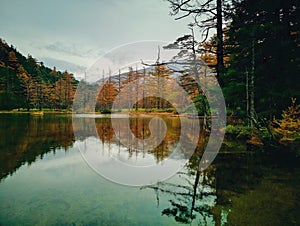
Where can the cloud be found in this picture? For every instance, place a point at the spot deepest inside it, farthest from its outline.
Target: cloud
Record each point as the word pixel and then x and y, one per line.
pixel 81 31
pixel 62 48
pixel 72 57
pixel 72 49
pixel 63 65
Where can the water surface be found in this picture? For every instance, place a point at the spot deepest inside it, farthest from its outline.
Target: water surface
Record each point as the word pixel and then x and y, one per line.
pixel 45 180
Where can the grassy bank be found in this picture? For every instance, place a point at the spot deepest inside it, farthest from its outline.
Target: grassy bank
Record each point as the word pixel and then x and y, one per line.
pixel 24 111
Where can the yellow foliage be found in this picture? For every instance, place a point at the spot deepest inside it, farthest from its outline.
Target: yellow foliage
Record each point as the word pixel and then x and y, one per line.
pixel 288 128
pixel 255 140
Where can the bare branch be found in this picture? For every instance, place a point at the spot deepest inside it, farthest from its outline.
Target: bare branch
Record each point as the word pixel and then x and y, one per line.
pixel 207 3
pixel 206 30
pixel 153 65
pixel 190 9
pixel 178 6
pixel 178 18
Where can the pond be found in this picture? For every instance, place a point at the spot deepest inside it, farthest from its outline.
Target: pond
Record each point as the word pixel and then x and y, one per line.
pixel 45 179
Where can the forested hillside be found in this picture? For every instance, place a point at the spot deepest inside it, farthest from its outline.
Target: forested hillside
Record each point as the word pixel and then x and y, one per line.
pixel 27 83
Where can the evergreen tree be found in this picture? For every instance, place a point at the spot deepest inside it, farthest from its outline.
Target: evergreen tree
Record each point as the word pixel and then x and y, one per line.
pixel 264 48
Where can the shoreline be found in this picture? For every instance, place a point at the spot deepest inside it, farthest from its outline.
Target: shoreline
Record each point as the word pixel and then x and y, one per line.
pixel 34 111
pixel 89 113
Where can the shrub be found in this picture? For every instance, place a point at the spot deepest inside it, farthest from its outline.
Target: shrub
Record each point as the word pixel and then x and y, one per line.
pixel 287 129
pixel 238 131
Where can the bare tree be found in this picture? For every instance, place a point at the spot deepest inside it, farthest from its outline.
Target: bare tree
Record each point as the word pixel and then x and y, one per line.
pixel 207 16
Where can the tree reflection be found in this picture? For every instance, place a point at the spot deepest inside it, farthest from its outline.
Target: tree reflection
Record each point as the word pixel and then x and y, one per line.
pixel 139 127
pixel 193 194
pixel 25 137
pixel 203 197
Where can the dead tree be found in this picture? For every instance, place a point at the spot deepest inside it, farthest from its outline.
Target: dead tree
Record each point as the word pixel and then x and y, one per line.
pixel 207 15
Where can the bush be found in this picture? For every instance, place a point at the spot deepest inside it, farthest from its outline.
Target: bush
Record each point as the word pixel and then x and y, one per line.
pixel 106 111
pixel 239 131
pixel 287 129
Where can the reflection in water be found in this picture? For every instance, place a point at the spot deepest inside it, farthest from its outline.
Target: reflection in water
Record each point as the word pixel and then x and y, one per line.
pixel 192 193
pixel 58 188
pixel 191 196
pixel 115 163
pixel 25 137
pixel 139 126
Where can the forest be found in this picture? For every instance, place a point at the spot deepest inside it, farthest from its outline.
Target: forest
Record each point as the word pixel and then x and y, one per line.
pixel 254 55
pixel 27 84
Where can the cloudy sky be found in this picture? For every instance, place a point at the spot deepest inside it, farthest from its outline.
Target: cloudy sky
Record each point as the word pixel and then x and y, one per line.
pixel 72 34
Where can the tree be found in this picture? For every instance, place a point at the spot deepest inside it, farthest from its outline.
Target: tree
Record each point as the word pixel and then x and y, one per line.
pixel 106 96
pixel 192 68
pixel 27 84
pixel 160 72
pixel 12 59
pixel 30 84
pixel 287 129
pixel 264 51
pixel 207 15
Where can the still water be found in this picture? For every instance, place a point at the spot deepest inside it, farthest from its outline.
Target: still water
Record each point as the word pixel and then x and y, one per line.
pixel 46 181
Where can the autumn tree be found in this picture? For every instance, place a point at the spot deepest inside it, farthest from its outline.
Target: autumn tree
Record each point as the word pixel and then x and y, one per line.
pixel 158 85
pixel 189 63
pixel 287 129
pixel 27 83
pixel 12 59
pixel 106 96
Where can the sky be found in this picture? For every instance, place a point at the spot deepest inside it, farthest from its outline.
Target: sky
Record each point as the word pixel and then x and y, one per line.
pixel 73 34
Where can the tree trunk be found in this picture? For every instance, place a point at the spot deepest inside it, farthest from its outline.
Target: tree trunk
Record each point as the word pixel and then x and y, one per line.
pixel 247 97
pixel 252 109
pixel 119 89
pixel 220 52
pixel 136 89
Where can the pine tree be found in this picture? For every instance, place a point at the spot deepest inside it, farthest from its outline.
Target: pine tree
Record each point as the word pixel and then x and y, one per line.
pixel 287 129
pixel 263 47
